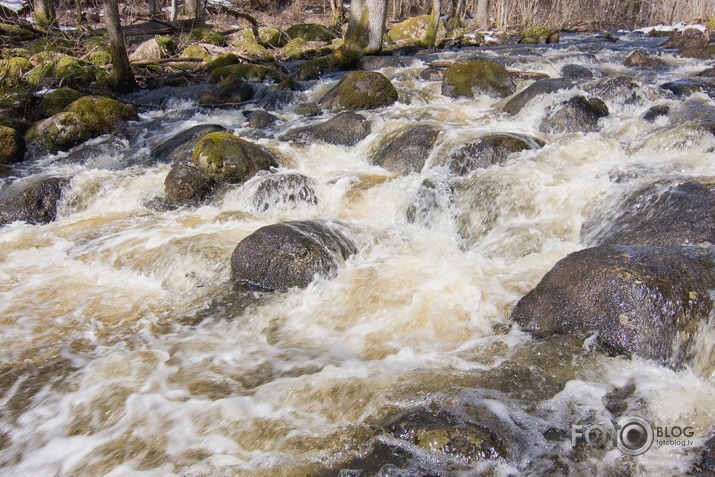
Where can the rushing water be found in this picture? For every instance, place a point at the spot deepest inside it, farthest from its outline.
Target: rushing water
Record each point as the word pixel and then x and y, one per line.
pixel 127 351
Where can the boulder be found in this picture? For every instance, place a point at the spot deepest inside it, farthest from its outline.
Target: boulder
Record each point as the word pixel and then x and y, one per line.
pixel 432 198
pixel 298 48
pixel 485 151
pixel 578 114
pixel 180 147
pixel 656 111
pixel 206 35
pixel 707 73
pixel 311 32
pixel 100 114
pixel 154 49
pixel 345 129
pixel 291 254
pixel 14 67
pixel 60 132
pixel 12 146
pixel 35 204
pixel 659 214
pixel 186 185
pixel 623 89
pixel 284 192
pixel 223 59
pixel 641 301
pixel 360 90
pixel 407 149
pixel 231 91
pixel 308 110
pixel 260 119
pixel 537 88
pixel 432 74
pixel 690 44
pixel 470 78
pixel 414 31
pixel 639 59
pixel 227 158
pixel 576 72
pixel 685 87
pixel 59 69
pixel 372 63
pixel 57 101
pixel 247 72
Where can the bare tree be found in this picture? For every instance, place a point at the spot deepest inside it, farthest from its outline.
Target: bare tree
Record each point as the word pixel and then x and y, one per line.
pixel 122 78
pixel 194 8
pixel 431 36
pixel 174 9
pixel 44 13
pixel 366 25
pixel 482 16
pixel 154 10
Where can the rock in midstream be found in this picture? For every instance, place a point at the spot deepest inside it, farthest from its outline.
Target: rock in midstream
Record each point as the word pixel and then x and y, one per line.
pixel 360 90
pixel 545 86
pixel 284 191
pixel 35 204
pixel 291 254
pixel 578 114
pixel 227 158
pixel 407 149
pixel 641 301
pixel 187 185
pixel 345 129
pixel 659 214
pixel 180 146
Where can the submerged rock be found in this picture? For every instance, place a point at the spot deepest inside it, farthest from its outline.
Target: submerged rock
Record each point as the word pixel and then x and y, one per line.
pixel 623 89
pixel 677 214
pixel 470 78
pixel 346 129
pixel 431 199
pixel 180 147
pixel 360 90
pixel 545 86
pixel 284 191
pixel 578 114
pixel 291 254
pixel 227 158
pixel 576 72
pixel 186 185
pixel 685 87
pixel 36 204
pixel 12 146
pixel 485 151
pixel 406 150
pixel 642 301
pixel 260 119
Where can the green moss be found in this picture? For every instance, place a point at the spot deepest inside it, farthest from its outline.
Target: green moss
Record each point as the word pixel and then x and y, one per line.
pixel 227 158
pixel 534 32
pixel 166 44
pixel 50 44
pixel 57 101
pixel 12 146
pixel 60 132
pixel 461 79
pixel 252 73
pixel 61 69
pixel 207 35
pixel 311 32
pixel 254 50
pixel 416 31
pixel 100 58
pixel 14 67
pixel 710 23
pixel 360 90
pixel 101 114
pixel 195 51
pixel 224 59
pixel 340 59
pixel 272 37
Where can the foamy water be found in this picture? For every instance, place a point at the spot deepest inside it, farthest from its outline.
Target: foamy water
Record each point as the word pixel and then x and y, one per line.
pixel 128 352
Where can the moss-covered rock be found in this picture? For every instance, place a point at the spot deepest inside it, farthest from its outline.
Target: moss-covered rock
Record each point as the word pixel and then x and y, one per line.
pixel 100 58
pixel 267 37
pixel 253 50
pixel 227 158
pixel 17 32
pixel 311 32
pixel 406 150
pixel 12 146
pixel 207 35
pixel 360 90
pixel 57 101
pixel 414 31
pixel 15 105
pixel 14 67
pixel 61 69
pixel 252 73
pixel 50 44
pixel 533 33
pixel 60 132
pixel 102 114
pixel 195 51
pixel 467 78
pixel 154 49
pixel 224 59
pixel 186 185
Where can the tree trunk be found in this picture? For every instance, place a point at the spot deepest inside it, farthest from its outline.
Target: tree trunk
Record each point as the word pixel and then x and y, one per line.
pixel 174 10
pixel 194 8
pixel 44 14
pixel 122 78
pixel 482 17
pixel 337 17
pixel 154 9
pixel 431 36
pixel 366 25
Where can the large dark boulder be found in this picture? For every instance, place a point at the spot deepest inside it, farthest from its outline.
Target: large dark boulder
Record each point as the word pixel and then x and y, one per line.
pixel 180 147
pixel 470 78
pixel 578 114
pixel 576 72
pixel 227 158
pixel 284 191
pixel 687 86
pixel 360 90
pixel 485 151
pixel 545 86
pixel 345 129
pixel 186 185
pixel 232 91
pixel 35 204
pixel 291 254
pixel 623 89
pixel 659 214
pixel 406 150
pixel 641 301
pixel 311 32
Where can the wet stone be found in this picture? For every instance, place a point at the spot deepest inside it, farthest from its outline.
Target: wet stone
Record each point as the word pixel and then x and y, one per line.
pixel 36 204
pixel 284 191
pixel 406 150
pixel 578 114
pixel 345 129
pixel 187 185
pixel 260 119
pixel 180 147
pixel 432 74
pixel 576 72
pixel 486 151
pixel 535 89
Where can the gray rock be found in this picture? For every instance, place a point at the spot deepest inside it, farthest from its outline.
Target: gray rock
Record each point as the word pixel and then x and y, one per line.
pixel 35 204
pixel 285 191
pixel 406 150
pixel 642 301
pixel 180 147
pixel 360 90
pixel 346 129
pixel 486 151
pixel 576 72
pixel 187 185
pixel 578 114
pixel 545 86
pixel 291 254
